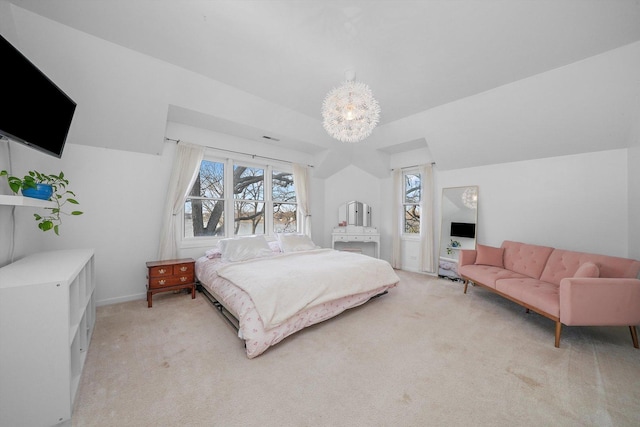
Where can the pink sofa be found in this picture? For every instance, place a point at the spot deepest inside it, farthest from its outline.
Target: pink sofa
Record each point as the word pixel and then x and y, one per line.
pixel 570 288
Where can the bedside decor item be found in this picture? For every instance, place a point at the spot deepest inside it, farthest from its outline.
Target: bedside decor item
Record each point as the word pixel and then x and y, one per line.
pixel 45 187
pixel 350 112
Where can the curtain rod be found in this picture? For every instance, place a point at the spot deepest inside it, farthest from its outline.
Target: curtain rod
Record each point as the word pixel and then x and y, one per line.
pixel 412 166
pixel 238 152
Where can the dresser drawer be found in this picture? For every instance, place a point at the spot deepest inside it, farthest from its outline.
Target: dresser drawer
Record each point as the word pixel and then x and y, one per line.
pixel 183 269
pixel 159 282
pixel 171 270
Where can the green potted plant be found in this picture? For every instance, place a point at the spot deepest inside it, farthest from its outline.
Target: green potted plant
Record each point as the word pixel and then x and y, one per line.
pixel 453 244
pixel 40 185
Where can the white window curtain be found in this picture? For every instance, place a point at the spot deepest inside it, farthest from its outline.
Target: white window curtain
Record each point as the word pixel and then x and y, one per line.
pixel 426 219
pixel 396 220
pixel 301 181
pixel 186 166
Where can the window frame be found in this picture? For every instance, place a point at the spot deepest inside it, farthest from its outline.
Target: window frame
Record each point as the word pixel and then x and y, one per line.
pixel 404 235
pixel 229 201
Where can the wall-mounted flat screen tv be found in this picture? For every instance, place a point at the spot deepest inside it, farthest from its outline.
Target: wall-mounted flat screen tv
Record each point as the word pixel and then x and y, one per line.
pixel 463 229
pixel 33 110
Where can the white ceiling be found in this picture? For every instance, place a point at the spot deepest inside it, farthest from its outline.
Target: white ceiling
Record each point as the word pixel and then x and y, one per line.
pixel 415 55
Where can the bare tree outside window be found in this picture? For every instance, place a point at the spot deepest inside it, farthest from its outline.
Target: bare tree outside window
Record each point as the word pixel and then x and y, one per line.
pixel 248 192
pixel 204 208
pixel 411 205
pixel 284 203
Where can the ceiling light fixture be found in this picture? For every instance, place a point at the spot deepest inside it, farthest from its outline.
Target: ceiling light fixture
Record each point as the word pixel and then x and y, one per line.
pixel 350 112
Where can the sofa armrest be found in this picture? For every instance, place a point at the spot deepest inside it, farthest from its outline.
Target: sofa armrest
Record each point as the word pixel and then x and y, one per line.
pixel 466 257
pixel 600 301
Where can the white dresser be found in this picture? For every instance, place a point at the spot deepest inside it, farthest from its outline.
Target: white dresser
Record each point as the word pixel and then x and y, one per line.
pixel 47 314
pixel 356 234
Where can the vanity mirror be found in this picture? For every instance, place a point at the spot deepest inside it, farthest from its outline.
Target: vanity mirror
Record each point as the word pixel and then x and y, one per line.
pixel 458 230
pixel 354 213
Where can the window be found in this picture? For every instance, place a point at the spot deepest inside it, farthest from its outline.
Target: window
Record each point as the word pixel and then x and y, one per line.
pixel 204 207
pixel 248 195
pixel 411 202
pixel 261 199
pixel 284 203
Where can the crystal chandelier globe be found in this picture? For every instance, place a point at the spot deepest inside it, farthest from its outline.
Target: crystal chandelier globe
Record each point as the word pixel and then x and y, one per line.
pixel 350 112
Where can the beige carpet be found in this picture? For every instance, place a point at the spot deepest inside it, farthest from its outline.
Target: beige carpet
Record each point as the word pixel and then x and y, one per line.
pixel 423 355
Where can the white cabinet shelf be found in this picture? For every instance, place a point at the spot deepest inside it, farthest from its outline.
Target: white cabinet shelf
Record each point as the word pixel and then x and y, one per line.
pixel 47 315
pixel 25 201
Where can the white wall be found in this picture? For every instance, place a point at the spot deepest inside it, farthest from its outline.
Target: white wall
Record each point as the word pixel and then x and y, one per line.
pixel 576 202
pixel 121 194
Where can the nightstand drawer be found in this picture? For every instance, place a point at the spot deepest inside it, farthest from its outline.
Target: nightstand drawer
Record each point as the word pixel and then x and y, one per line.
pixel 165 270
pixel 159 282
pixel 183 269
pixel 171 270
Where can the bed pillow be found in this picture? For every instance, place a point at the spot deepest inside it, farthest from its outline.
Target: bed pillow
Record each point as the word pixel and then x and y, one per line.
pixel 214 253
pixel 243 248
pixel 587 269
pixel 290 242
pixel 488 255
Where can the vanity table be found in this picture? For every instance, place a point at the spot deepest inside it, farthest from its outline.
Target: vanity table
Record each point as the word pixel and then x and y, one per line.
pixel 359 234
pixel 354 219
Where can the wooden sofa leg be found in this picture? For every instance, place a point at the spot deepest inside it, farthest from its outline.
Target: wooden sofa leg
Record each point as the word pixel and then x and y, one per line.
pixel 558 330
pixel 634 336
pixel 466 283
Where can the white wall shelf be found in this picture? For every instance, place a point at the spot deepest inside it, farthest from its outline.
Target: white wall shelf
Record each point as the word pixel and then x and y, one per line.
pixel 25 201
pixel 47 315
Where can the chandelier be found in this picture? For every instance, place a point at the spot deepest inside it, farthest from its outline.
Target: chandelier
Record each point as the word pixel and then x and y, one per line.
pixel 350 111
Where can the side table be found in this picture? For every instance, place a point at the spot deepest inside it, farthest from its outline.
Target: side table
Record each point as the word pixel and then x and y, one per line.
pixel 170 275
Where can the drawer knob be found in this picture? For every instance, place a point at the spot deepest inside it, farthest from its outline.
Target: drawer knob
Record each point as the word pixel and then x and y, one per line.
pixel 162 282
pixel 162 270
pixel 183 268
pixel 184 278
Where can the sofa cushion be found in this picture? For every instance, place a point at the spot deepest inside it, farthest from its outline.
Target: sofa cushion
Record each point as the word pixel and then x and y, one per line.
pixel 587 269
pixel 525 259
pixel 563 264
pixel 486 274
pixel 535 293
pixel 488 255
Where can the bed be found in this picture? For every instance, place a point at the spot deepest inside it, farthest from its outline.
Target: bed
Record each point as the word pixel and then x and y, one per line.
pixel 268 291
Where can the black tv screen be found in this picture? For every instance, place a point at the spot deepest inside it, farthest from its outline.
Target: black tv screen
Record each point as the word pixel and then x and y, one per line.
pixel 33 110
pixel 463 229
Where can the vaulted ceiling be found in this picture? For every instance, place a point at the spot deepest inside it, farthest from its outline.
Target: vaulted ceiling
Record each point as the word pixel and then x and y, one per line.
pixel 418 57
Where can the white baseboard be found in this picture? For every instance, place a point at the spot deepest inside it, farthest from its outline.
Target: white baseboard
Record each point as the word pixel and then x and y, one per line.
pixel 117 300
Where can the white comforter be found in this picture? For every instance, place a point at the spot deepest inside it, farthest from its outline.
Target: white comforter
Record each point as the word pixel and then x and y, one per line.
pixel 282 286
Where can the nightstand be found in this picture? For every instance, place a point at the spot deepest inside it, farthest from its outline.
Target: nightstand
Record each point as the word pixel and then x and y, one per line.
pixel 170 275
